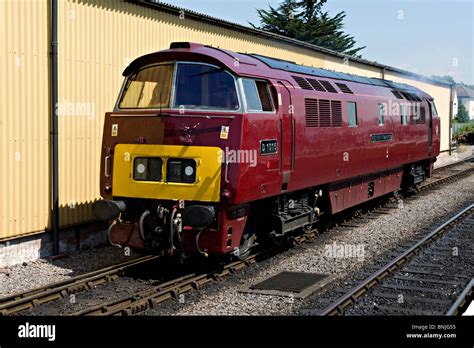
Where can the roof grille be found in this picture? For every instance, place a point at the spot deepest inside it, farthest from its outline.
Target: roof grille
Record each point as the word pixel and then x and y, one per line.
pixel 411 97
pixel 324 73
pixel 336 113
pixel 328 86
pixel 324 113
pixel 317 85
pixel 301 81
pixel 396 94
pixel 311 108
pixel 344 88
pixel 407 96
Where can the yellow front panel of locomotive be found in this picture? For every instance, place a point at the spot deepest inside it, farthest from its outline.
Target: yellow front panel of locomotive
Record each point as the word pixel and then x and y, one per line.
pixel 206 188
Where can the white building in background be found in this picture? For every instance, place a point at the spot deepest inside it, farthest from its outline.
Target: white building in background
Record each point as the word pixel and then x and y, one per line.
pixel 465 97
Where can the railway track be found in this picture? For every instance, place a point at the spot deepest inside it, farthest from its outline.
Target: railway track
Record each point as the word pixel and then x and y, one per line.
pixel 451 172
pixel 433 277
pixel 150 298
pixel 52 292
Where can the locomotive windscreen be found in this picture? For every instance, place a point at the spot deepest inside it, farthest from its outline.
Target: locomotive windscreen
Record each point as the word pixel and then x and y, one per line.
pixel 148 88
pixel 200 86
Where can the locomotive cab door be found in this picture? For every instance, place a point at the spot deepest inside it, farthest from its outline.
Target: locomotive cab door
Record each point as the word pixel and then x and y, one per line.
pixel 430 127
pixel 287 131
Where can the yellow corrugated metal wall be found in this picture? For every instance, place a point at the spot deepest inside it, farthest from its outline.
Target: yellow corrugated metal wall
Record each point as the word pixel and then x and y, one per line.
pixel 97 40
pixel 24 110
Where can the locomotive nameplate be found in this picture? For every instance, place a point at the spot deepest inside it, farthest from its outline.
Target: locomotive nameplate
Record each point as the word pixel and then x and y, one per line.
pixel 268 147
pixel 375 138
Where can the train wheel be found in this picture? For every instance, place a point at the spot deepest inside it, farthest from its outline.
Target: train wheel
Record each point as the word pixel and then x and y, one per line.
pixel 278 241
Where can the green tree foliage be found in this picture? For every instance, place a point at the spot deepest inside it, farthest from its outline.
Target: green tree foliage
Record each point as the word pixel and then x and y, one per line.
pixel 463 115
pixel 306 21
pixel 445 78
pixel 465 135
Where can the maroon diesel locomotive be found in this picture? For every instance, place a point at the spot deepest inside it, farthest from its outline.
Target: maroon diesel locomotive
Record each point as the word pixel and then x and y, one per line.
pixel 211 151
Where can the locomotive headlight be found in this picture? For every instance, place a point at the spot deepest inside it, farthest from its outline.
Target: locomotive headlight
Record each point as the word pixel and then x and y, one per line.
pixel 147 168
pixel 189 170
pixel 141 168
pixel 181 170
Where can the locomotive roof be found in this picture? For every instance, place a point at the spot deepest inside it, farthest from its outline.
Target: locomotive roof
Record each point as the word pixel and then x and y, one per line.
pixel 307 70
pixel 258 65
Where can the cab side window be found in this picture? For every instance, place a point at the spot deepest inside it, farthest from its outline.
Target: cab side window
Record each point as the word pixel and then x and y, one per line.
pixel 351 114
pixel 433 108
pixel 381 110
pixel 404 115
pixel 257 95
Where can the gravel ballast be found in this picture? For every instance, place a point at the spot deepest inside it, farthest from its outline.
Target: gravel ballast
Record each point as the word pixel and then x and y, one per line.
pixel 34 274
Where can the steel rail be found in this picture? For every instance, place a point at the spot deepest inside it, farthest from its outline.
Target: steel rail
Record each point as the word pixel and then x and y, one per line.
pixel 23 301
pixel 363 287
pixel 464 298
pixel 150 298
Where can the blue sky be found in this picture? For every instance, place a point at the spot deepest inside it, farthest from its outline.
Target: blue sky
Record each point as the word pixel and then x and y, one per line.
pixel 423 36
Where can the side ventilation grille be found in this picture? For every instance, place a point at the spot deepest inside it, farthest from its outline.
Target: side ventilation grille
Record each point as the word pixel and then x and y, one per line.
pixel 311 107
pixel 336 113
pixel 324 113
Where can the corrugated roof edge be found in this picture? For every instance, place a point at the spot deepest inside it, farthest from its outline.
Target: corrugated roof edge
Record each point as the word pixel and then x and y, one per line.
pixel 226 24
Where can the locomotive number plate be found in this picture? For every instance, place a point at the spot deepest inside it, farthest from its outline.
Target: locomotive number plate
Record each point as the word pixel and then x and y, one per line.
pixel 268 147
